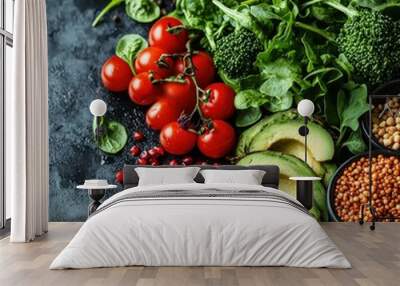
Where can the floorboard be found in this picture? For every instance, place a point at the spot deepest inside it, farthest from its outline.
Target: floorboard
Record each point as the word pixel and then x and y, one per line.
pixel 375 257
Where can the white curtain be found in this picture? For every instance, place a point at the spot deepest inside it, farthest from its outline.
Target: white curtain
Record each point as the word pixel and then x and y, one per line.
pixel 27 124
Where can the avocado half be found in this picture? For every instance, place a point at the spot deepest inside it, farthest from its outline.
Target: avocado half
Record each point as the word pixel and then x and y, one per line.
pixel 285 126
pixel 290 166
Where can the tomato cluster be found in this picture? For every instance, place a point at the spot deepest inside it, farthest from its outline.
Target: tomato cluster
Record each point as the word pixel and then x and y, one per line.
pixel 177 83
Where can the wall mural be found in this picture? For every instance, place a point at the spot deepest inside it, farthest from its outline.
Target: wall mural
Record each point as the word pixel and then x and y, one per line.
pixel 217 82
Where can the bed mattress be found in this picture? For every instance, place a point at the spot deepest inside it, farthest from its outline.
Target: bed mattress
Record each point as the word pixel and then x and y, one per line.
pixel 201 225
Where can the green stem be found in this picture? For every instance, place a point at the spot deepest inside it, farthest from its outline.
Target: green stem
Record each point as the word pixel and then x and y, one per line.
pixel 249 2
pixel 176 80
pixel 348 11
pixel 112 4
pixel 316 30
pixel 341 137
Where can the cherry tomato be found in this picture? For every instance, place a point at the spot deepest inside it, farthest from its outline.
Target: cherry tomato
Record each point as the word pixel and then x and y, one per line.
pixel 148 60
pixel 204 69
pixel 171 40
pixel 119 176
pixel 219 101
pixel 176 140
pixel 184 94
pixel 116 74
pixel 161 113
pixel 142 91
pixel 218 141
pixel 178 66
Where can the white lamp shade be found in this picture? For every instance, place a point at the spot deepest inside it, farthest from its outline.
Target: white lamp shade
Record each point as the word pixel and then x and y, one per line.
pixel 98 107
pixel 305 108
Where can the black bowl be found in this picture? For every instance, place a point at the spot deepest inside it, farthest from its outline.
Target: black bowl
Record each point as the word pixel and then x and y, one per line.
pixel 389 88
pixel 331 188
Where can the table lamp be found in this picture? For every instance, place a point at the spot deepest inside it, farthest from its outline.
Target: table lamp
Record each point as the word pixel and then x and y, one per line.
pixel 305 108
pixel 98 108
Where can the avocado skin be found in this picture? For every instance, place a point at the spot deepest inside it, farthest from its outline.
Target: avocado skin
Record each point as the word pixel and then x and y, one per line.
pixel 290 166
pixel 284 126
pixel 248 135
pixel 330 169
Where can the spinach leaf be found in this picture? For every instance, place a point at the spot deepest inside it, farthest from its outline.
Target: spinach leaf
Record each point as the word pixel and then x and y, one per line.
pixel 355 142
pixel 277 88
pixel 203 16
pixel 280 77
pixel 142 11
pixel 250 98
pixel 114 137
pixel 128 46
pixel 353 107
pixel 248 116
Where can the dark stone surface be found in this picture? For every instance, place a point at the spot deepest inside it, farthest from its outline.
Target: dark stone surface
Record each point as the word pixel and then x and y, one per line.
pixel 76 54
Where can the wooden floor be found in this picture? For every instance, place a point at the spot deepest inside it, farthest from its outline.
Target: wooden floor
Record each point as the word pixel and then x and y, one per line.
pixel 375 257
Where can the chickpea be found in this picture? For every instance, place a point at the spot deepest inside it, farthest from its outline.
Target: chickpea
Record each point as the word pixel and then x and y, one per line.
pixel 352 188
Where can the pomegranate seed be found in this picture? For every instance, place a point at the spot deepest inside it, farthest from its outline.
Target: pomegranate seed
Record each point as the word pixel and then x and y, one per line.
pixel 142 161
pixel 138 136
pixel 187 161
pixel 201 162
pixel 173 162
pixel 135 150
pixel 160 150
pixel 154 162
pixel 153 152
pixel 144 155
pixel 119 176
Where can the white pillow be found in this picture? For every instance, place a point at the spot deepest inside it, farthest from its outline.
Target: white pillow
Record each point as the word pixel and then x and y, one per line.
pixel 164 176
pixel 248 177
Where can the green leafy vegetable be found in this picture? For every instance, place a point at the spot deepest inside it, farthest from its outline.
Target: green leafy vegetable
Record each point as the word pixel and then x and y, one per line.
pixel 142 11
pixel 203 16
pixel 242 17
pixel 353 107
pixel 369 40
pixel 248 116
pixel 113 136
pixel 128 46
pixel 299 56
pixel 250 98
pixel 355 142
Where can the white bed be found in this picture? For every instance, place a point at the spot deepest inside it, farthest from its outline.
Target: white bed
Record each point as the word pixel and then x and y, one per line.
pixel 248 226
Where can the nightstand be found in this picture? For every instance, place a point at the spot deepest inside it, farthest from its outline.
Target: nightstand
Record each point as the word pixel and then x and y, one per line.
pixel 96 190
pixel 304 190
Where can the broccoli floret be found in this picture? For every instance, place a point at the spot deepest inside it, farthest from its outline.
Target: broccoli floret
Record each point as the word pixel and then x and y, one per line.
pixel 236 53
pixel 369 40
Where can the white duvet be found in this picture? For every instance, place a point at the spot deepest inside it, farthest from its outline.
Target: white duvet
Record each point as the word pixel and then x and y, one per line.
pixel 200 231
